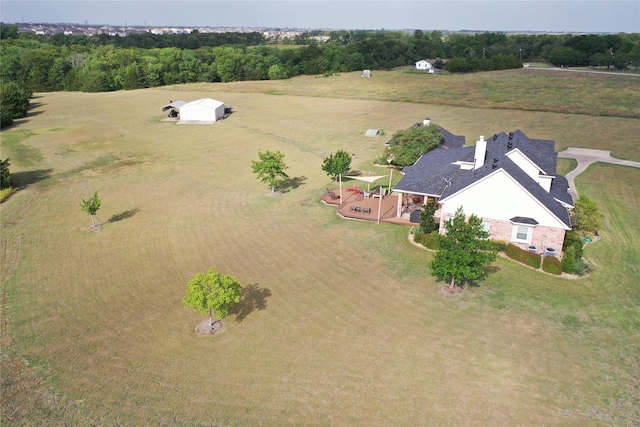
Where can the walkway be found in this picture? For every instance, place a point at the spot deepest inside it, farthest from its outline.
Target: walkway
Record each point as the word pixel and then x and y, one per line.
pixel 585 158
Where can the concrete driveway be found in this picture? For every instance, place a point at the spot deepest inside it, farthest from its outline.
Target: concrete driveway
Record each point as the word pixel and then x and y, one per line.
pixel 585 157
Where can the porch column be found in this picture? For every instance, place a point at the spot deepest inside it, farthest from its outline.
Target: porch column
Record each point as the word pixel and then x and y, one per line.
pixel 399 207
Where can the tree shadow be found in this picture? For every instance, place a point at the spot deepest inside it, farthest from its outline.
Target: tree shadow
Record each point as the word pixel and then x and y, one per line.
pixel 32 106
pixel 488 269
pixel 123 215
pixel 292 183
pixel 21 180
pixel 253 298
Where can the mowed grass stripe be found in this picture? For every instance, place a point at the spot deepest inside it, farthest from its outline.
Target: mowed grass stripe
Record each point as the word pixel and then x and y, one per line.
pixel 355 331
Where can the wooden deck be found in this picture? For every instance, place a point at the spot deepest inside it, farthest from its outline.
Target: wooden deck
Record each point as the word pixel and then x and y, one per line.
pixel 356 206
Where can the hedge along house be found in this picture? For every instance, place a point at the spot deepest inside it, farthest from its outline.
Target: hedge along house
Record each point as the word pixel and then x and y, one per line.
pixel 509 181
pixel 202 111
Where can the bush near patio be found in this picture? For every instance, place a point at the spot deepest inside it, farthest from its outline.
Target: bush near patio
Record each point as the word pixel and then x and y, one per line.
pixel 428 240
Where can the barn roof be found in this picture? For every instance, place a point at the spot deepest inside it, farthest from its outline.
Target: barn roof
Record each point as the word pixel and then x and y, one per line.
pixel 173 104
pixel 204 102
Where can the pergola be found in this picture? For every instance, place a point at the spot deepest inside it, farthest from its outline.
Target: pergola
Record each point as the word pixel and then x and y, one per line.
pixel 369 180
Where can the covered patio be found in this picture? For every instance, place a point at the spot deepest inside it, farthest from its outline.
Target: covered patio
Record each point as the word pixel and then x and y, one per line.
pixel 352 204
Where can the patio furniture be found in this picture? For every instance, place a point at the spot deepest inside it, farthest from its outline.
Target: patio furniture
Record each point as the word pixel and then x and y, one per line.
pixel 366 210
pixel 366 194
pixel 379 192
pixel 332 194
pixel 354 189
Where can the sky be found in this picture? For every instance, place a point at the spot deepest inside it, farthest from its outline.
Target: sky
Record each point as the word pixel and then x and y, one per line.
pixel 591 16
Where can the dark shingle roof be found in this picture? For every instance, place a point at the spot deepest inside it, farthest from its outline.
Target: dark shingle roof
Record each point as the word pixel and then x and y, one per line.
pixel 435 174
pixel 524 220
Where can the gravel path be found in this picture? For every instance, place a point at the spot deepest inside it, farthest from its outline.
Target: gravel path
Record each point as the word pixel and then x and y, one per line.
pixel 585 157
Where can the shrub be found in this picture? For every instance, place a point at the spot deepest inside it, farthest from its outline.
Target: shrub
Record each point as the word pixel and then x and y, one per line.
pixel 569 260
pixel 427 219
pixel 588 216
pixel 552 265
pixel 499 245
pixel 430 241
pixel 574 239
pixel 5 193
pixel 581 267
pixel 520 255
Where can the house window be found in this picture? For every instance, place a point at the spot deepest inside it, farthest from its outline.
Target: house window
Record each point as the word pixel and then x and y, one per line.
pixel 522 233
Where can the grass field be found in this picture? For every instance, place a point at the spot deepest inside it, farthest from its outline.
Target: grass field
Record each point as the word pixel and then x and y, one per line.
pixel 341 323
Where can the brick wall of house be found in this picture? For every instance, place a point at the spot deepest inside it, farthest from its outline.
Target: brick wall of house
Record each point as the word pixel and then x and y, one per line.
pixel 551 237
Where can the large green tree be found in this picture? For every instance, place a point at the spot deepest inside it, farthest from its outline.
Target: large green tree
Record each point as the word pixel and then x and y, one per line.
pixel 337 164
pixel 270 168
pixel 212 293
pixel 406 146
pixel 14 100
pixel 463 251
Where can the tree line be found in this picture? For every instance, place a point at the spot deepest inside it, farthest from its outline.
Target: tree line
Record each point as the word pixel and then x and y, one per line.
pixel 102 63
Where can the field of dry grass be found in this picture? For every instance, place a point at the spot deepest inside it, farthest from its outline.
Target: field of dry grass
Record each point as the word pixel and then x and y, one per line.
pixel 341 323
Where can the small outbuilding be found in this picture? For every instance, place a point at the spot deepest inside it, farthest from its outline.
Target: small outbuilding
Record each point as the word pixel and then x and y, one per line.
pixel 173 105
pixel 424 65
pixel 202 111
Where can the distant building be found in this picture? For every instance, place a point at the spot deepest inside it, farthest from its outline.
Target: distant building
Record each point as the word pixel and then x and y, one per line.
pixel 424 65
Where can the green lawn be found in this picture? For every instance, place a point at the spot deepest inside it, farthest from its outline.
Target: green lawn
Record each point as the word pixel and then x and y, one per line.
pixel 342 323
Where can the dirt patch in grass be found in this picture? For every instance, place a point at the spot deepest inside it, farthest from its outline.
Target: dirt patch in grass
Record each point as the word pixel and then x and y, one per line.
pixel 205 329
pixel 456 291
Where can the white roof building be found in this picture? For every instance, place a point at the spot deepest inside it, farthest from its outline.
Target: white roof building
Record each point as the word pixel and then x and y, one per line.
pixel 201 111
pixel 423 64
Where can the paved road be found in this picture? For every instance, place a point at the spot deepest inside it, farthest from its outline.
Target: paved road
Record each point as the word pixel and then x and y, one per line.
pixel 585 157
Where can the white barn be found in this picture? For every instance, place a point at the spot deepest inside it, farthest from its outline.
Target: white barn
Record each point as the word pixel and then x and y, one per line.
pixel 205 110
pixel 423 64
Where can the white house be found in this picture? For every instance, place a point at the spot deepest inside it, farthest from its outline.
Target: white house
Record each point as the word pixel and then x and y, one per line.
pixel 509 181
pixel 424 65
pixel 203 111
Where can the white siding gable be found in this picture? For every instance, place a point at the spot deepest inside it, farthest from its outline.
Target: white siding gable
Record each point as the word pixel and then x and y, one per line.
pixel 531 169
pixel 545 182
pixel 524 163
pixel 499 196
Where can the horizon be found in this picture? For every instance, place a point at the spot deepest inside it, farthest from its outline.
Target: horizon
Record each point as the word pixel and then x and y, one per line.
pixel 568 16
